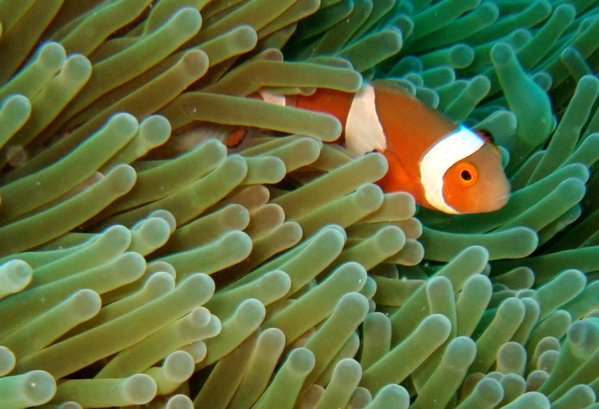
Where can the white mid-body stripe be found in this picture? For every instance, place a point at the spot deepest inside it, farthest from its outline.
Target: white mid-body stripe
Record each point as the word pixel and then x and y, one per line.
pixel 439 158
pixel 363 130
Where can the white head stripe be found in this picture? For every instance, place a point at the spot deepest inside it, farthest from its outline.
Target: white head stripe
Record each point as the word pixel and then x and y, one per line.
pixel 363 130
pixel 443 155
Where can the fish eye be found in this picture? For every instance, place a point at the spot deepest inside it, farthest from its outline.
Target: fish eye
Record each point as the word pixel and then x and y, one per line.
pixel 467 174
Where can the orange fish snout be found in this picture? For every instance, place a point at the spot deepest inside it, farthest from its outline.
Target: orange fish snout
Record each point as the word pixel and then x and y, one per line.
pixel 477 184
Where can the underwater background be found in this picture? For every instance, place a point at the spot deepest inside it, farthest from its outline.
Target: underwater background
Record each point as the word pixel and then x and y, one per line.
pixel 142 265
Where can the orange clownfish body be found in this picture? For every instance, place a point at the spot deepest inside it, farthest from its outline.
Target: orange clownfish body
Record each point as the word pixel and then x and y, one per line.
pixel 445 166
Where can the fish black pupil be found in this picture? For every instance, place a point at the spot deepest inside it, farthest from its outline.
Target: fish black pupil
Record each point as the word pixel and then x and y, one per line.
pixel 466 175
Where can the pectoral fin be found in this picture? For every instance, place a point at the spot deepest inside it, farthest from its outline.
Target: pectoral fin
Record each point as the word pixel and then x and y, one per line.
pixel 235 138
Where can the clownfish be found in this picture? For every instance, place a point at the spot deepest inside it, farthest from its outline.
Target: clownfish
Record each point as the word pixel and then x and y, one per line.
pixel 446 166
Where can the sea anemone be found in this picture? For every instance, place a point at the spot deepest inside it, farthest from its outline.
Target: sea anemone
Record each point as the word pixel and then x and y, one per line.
pixel 145 263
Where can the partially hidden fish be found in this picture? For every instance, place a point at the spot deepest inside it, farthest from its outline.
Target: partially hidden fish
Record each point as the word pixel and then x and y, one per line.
pixel 446 166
